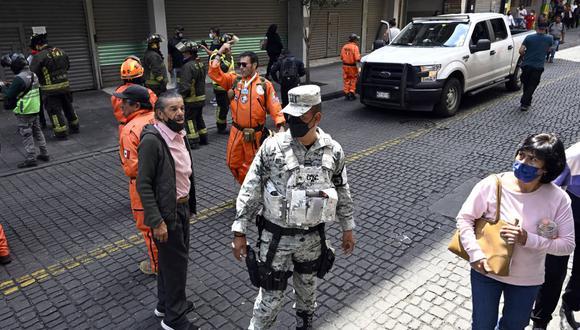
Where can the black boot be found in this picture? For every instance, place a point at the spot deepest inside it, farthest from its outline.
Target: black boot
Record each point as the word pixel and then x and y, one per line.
pixel 222 128
pixel 74 129
pixel 569 315
pixel 303 320
pixel 203 140
pixel 27 163
pixel 5 260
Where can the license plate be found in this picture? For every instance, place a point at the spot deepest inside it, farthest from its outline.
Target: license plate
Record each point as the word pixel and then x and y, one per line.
pixel 383 95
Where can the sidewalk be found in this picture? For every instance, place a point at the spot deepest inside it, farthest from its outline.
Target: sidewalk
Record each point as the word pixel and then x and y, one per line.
pixel 99 127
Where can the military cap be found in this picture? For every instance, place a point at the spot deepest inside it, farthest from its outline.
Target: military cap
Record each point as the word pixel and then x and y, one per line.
pixel 301 99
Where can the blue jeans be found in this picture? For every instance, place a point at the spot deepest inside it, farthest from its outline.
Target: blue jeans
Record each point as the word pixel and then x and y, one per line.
pixel 554 48
pixel 486 293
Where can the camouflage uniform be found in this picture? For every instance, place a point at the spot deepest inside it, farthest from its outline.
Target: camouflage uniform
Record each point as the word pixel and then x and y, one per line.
pixel 270 166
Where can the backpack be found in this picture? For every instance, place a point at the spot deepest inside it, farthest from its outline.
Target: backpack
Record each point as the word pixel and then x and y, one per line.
pixel 289 69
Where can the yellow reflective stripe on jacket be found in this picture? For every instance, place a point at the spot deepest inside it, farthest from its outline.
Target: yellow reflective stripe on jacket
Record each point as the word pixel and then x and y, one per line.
pixel 50 87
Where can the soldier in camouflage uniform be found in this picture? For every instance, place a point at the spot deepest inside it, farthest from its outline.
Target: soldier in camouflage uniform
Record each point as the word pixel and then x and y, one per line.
pixel 297 182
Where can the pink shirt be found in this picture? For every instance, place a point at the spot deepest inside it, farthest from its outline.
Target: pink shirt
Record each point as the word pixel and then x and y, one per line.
pixel 181 158
pixel 549 201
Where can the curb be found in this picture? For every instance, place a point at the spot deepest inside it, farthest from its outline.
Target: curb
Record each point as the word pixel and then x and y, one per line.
pixel 325 97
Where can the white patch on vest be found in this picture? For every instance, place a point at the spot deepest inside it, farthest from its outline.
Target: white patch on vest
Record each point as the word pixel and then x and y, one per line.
pixel 244 99
pixel 260 90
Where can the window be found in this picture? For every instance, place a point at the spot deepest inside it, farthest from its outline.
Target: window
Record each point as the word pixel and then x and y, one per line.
pixel 499 29
pixel 480 32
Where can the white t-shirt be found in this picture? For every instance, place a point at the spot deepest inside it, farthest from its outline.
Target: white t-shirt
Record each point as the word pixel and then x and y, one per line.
pixel 523 12
pixel 511 20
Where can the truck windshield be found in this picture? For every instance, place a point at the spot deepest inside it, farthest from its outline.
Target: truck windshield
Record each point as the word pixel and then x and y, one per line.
pixel 429 34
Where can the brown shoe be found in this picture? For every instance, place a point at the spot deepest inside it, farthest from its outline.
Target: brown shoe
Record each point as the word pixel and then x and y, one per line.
pixel 145 267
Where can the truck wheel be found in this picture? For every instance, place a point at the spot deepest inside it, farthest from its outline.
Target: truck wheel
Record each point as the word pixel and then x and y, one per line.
pixel 450 98
pixel 515 82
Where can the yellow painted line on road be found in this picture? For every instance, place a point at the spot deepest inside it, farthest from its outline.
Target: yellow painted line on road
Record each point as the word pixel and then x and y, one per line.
pixel 14 285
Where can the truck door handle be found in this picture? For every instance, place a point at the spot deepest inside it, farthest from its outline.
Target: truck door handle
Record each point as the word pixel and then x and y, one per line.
pixel 510 47
pixel 466 57
pixel 492 52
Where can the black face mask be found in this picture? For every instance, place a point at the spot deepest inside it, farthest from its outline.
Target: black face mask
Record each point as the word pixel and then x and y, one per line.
pixel 298 128
pixel 174 126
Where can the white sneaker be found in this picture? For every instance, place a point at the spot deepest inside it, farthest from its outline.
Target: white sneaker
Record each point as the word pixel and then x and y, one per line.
pixel 165 326
pixel 158 313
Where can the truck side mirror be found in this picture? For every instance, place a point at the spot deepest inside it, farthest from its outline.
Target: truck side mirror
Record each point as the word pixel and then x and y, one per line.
pixel 378 44
pixel 482 44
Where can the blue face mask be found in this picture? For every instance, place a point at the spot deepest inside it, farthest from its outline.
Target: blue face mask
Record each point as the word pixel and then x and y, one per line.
pixel 525 172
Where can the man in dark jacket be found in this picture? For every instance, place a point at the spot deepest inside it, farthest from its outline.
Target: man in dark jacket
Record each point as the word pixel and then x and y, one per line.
pixel 51 65
pixel 287 72
pixel 273 47
pixel 165 183
pixel 175 56
pixel 155 71
pixel 192 87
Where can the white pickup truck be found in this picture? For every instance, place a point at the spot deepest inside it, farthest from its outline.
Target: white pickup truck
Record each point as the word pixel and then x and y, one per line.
pixel 435 60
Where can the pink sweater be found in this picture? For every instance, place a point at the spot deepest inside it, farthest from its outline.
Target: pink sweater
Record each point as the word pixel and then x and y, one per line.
pixel 549 201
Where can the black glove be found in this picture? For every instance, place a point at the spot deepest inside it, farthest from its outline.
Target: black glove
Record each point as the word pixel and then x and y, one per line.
pixel 203 43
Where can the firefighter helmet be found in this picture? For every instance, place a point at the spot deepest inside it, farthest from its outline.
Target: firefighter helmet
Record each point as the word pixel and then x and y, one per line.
pixel 187 46
pixel 154 38
pixel 16 62
pixel 131 68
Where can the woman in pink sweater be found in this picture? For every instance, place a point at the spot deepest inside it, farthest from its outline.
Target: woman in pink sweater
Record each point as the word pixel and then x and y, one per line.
pixel 528 196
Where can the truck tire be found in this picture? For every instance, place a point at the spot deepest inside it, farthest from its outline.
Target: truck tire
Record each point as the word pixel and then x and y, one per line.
pixel 515 82
pixel 450 98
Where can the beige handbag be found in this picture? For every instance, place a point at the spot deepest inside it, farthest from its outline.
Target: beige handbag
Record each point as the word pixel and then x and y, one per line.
pixel 497 251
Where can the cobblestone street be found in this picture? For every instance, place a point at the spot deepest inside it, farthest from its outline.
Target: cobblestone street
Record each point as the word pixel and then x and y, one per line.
pixel 76 250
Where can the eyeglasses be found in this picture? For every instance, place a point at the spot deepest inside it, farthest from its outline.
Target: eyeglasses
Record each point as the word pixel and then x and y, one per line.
pixel 242 64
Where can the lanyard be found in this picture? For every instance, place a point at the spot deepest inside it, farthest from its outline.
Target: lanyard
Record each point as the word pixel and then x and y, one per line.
pixel 248 82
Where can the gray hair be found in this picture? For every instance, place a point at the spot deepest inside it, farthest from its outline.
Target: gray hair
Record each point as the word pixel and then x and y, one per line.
pixel 163 100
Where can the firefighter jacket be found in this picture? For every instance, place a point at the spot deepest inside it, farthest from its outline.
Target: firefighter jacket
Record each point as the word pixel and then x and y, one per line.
pixel 226 64
pixel 350 54
pixel 130 138
pixel 23 95
pixel 154 67
pixel 51 65
pixel 192 81
pixel 116 103
pixel 270 173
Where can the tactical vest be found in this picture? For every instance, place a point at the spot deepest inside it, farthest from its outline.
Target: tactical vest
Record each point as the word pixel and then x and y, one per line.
pixel 197 85
pixel 311 197
pixel 29 99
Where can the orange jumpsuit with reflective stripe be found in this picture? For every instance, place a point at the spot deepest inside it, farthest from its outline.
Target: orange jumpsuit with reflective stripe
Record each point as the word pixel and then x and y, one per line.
pixel 4 250
pixel 350 56
pixel 128 144
pixel 116 103
pixel 249 107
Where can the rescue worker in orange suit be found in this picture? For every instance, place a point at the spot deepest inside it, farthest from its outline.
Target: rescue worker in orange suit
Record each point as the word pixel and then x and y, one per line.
pixel 191 86
pixel 155 70
pixel 131 74
pixel 350 56
pixel 4 250
pixel 138 112
pixel 51 66
pixel 251 97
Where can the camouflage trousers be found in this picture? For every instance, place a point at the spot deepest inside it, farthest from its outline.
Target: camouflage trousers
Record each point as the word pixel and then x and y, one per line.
pixel 299 248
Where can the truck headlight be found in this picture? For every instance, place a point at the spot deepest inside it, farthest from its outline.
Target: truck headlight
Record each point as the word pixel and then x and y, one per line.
pixel 428 73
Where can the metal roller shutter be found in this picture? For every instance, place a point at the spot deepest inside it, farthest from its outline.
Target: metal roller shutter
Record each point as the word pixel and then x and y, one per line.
pixel 486 6
pixel 121 30
pixel 374 17
pixel 331 27
pixel 249 21
pixel 66 27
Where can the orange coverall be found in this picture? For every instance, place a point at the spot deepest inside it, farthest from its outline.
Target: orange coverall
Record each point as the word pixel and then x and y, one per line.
pixel 4 250
pixel 128 143
pixel 350 56
pixel 116 103
pixel 248 111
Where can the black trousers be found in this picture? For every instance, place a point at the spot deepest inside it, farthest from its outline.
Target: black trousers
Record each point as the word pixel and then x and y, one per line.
pixel 285 86
pixel 223 104
pixel 172 270
pixel 556 267
pixel 194 123
pixel 157 88
pixel 530 81
pixel 272 59
pixel 57 103
pixel 41 115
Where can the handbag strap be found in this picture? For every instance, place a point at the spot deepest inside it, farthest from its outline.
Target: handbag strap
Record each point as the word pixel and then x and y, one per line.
pixel 498 197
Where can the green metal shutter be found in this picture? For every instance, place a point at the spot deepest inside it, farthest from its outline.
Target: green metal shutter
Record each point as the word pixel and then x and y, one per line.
pixel 327 42
pixel 248 20
pixel 121 28
pixel 66 26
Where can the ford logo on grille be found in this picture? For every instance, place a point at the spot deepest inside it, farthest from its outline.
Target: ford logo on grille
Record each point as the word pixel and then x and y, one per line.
pixel 385 74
